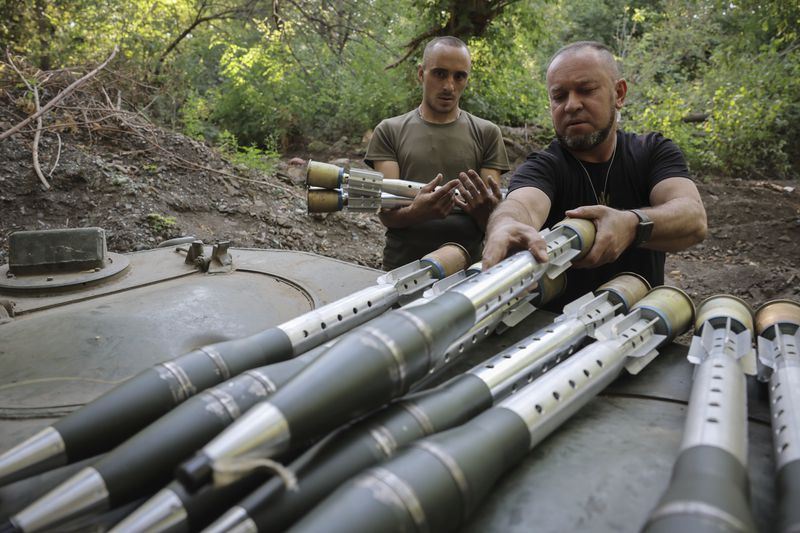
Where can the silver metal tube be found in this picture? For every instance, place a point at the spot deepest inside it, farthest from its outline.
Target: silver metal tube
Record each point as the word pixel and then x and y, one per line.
pixel 163 513
pixel 84 492
pixel 331 320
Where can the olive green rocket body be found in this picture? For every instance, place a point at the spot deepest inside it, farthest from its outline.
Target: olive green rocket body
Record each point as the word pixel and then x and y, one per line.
pixel 324 468
pixel 153 392
pixel 435 483
pixel 380 361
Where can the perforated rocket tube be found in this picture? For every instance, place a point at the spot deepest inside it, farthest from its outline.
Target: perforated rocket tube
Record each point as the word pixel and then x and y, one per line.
pixel 379 362
pixel 709 488
pixel 778 329
pixel 435 483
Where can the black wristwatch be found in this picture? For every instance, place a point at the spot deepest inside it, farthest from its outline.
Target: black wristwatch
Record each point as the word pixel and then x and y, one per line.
pixel 644 229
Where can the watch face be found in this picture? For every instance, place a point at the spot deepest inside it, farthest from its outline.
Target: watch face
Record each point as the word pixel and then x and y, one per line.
pixel 643 231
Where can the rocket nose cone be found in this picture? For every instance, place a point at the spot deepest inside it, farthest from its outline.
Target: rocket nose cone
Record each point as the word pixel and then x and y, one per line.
pixel 195 472
pixel 7 527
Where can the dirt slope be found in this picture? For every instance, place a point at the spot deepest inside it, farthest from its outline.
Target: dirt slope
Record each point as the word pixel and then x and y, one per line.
pixel 132 190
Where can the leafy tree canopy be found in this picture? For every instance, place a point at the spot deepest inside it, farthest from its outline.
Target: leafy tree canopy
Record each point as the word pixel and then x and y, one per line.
pixel 722 79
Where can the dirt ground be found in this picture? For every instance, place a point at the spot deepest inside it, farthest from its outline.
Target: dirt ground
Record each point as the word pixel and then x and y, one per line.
pixel 143 194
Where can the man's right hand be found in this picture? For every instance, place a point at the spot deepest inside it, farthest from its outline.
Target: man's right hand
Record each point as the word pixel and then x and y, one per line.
pixel 509 236
pixel 430 203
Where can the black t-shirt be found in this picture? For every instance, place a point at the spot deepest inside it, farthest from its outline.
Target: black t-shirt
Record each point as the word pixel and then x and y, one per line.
pixel 640 162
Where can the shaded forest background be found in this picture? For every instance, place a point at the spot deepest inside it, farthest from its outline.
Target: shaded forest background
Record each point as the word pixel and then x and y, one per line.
pixel 258 78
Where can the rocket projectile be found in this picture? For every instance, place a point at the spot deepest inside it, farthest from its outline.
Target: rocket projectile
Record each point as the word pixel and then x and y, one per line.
pixel 142 399
pixel 778 329
pixel 381 360
pixel 378 437
pixel 709 489
pixel 145 461
pixel 435 483
pixel 176 510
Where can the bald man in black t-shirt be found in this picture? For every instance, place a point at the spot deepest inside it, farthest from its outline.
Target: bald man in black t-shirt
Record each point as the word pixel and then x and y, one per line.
pixel 635 188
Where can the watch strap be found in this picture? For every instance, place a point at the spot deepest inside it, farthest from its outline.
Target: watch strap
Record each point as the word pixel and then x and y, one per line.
pixel 644 229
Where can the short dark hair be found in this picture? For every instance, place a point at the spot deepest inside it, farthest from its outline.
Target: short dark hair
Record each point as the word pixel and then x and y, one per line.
pixel 602 49
pixel 447 40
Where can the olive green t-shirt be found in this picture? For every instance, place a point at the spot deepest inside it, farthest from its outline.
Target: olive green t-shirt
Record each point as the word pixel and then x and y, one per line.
pixel 423 150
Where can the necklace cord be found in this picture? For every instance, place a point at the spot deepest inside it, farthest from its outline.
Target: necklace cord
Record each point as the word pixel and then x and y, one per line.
pixel 605 182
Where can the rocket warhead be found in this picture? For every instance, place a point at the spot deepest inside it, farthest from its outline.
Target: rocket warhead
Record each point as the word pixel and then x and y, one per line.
pixel 84 492
pixel 43 451
pixel 175 510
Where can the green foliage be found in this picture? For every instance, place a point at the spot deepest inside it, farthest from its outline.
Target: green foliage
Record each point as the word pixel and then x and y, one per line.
pixel 506 84
pixel 255 81
pixel 722 63
pixel 251 157
pixel 160 224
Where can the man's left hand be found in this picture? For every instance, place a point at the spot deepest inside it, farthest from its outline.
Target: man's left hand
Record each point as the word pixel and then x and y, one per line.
pixel 615 232
pixel 477 198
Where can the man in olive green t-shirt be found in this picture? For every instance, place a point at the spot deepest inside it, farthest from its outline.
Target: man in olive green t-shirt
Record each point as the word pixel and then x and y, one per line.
pixel 462 151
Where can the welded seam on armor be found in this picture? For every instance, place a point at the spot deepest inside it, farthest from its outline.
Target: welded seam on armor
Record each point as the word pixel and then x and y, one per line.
pixel 185 387
pixel 420 416
pixel 452 466
pixel 263 380
pixel 227 401
pixel 404 492
pixel 698 509
pixel 397 355
pixel 384 439
pixel 218 361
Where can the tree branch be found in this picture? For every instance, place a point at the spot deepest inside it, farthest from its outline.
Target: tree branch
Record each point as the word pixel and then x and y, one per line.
pixel 38 135
pixel 60 96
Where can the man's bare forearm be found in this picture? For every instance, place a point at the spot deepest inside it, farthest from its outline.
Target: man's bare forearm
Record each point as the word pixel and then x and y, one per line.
pixel 677 225
pixel 510 210
pixel 400 217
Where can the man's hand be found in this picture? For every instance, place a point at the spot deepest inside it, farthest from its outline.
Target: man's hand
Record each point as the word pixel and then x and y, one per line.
pixel 615 232
pixel 477 198
pixel 429 204
pixel 511 236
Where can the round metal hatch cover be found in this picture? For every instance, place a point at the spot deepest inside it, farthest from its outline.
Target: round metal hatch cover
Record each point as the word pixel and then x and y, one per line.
pixel 114 264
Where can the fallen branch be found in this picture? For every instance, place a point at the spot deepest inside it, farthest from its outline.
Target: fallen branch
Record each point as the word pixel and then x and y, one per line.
pixel 58 156
pixel 60 96
pixel 38 135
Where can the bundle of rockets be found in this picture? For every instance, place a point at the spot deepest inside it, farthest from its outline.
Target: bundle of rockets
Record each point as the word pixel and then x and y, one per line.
pixel 327 422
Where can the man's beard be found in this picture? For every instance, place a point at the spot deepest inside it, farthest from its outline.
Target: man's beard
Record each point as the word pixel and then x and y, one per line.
pixel 583 143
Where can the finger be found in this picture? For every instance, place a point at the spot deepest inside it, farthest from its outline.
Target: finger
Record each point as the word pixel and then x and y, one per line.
pixel 495 187
pixel 448 188
pixel 493 253
pixel 467 182
pixel 465 195
pixel 539 251
pixel 479 182
pixel 431 185
pixel 586 211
